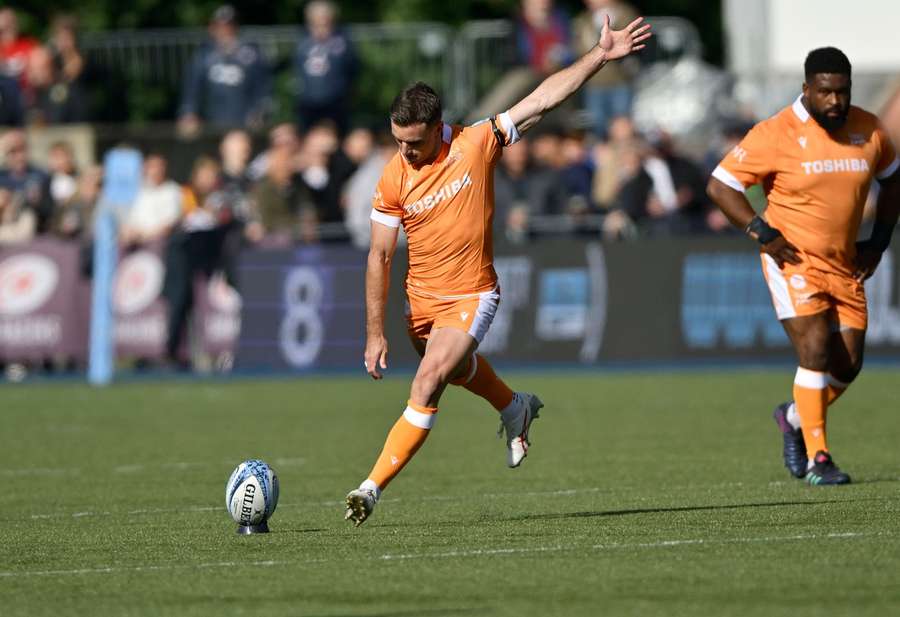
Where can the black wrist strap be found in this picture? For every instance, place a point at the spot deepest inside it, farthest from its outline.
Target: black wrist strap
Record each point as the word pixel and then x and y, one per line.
pixel 761 231
pixel 881 235
pixel 498 134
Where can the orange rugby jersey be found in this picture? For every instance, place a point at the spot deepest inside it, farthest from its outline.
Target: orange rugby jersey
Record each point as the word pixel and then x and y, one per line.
pixel 816 183
pixel 446 208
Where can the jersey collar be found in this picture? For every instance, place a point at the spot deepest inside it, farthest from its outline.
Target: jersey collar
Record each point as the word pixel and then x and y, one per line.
pixel 800 110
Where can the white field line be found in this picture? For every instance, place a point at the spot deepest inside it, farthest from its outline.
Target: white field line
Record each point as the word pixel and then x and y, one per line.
pixel 126 468
pixel 481 552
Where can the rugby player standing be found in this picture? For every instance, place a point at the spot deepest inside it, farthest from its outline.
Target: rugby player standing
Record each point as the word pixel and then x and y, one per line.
pixel 816 159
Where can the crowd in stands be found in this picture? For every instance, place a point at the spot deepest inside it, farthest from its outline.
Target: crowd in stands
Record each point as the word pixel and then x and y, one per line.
pixel 314 180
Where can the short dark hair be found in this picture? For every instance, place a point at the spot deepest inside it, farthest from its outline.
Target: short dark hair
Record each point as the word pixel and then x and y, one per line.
pixel 416 103
pixel 826 60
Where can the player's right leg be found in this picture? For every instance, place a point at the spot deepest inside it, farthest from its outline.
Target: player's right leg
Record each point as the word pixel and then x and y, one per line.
pixel 445 352
pixel 810 336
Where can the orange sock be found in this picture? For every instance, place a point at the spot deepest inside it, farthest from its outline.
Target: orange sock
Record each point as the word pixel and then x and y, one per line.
pixel 811 399
pixel 404 440
pixel 480 378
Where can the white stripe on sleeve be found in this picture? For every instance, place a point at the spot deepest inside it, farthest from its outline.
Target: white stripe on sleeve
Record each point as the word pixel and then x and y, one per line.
pixel 724 176
pixel 385 219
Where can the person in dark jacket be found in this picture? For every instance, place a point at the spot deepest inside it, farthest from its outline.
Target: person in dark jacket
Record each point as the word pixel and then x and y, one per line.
pixel 326 66
pixel 228 83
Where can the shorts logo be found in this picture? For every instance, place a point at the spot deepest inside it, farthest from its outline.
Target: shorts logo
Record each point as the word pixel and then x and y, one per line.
pixel 464 315
pixel 797 281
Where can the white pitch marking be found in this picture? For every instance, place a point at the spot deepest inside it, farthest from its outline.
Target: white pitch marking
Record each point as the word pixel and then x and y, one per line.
pixel 446 554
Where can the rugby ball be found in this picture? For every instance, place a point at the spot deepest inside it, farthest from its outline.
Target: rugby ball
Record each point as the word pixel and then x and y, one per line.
pixel 252 493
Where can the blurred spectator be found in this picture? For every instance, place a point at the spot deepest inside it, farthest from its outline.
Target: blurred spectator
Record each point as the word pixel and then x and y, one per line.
pixel 73 218
pixel 235 150
pixel 63 45
pixel 236 185
pixel 193 249
pixel 543 37
pixel 228 84
pixel 281 207
pixel 283 135
pixel 157 208
pixel 609 92
pixel 12 111
pixel 523 188
pixel 666 194
pixel 31 183
pixel 359 189
pixel 50 98
pixel 543 45
pixel 576 175
pixel 610 173
pixel 326 164
pixel 14 49
pixel 61 165
pixel 326 65
pixel 17 223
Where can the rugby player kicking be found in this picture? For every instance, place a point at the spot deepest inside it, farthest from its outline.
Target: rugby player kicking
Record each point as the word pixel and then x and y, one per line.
pixel 816 159
pixel 439 187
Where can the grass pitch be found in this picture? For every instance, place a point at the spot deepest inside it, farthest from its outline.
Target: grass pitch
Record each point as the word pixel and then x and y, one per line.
pixel 648 494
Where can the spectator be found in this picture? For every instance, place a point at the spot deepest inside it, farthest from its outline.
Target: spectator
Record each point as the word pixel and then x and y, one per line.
pixel 543 37
pixel 17 223
pixel 543 45
pixel 50 99
pixel 326 65
pixel 277 203
pixel 609 92
pixel 193 249
pixel 524 188
pixel 576 175
pixel 666 195
pixel 358 191
pixel 31 183
pixel 157 209
pixel 283 135
pixel 63 44
pixel 610 173
pixel 236 184
pixel 326 164
pixel 12 112
pixel 227 84
pixel 73 218
pixel 63 174
pixel 14 49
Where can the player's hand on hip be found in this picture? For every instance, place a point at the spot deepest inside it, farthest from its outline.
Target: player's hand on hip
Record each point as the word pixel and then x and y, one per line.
pixel 376 356
pixel 619 43
pixel 782 251
pixel 867 260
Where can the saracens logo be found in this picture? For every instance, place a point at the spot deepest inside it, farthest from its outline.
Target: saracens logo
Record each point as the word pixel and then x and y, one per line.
pixel 139 281
pixel 446 192
pixel 27 281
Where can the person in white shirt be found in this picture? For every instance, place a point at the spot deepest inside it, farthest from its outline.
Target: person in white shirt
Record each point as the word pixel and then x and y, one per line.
pixel 157 209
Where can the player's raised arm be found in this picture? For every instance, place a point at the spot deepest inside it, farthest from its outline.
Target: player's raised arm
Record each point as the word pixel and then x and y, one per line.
pixel 613 45
pixel 378 269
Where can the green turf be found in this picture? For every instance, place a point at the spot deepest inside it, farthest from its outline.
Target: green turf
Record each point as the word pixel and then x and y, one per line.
pixel 650 494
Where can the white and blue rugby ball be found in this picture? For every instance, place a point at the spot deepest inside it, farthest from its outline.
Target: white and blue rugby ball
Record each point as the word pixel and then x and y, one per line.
pixel 252 493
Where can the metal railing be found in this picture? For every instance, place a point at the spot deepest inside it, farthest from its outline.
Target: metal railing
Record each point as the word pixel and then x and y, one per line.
pixel 464 63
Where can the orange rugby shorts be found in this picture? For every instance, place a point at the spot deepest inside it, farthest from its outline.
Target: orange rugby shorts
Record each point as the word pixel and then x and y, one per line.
pixel 471 313
pixel 802 289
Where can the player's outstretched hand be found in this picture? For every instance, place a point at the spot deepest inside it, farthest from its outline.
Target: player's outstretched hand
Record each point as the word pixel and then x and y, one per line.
pixel 619 43
pixel 782 251
pixel 867 259
pixel 376 356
